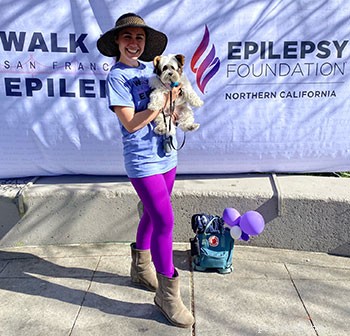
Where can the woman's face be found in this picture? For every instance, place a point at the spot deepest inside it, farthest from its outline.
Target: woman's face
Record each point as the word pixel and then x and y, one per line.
pixel 131 42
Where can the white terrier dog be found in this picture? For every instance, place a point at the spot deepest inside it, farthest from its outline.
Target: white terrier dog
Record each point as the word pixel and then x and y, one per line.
pixel 169 73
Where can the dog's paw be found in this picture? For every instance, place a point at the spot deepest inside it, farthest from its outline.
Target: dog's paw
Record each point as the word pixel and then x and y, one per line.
pixel 192 127
pixel 159 129
pixel 194 100
pixel 197 102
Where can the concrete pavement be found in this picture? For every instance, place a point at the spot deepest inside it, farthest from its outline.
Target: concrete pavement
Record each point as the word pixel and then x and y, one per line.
pixel 85 289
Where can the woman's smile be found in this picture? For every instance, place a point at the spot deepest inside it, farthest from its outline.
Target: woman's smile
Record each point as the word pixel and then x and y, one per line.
pixel 131 42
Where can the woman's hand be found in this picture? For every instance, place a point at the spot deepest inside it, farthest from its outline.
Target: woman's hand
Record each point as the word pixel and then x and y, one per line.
pixel 172 96
pixel 176 91
pixel 175 117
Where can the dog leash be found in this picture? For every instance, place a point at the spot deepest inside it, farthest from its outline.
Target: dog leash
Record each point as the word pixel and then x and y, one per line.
pixel 172 109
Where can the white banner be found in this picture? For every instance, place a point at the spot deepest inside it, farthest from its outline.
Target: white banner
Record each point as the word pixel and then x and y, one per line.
pixel 274 76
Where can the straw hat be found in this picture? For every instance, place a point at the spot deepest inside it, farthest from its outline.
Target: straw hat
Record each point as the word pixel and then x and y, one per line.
pixel 155 41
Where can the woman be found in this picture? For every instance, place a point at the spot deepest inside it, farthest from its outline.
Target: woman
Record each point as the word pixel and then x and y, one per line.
pixel 150 170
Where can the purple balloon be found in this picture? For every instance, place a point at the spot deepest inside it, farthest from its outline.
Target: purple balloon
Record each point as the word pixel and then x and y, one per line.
pixel 244 237
pixel 230 216
pixel 252 223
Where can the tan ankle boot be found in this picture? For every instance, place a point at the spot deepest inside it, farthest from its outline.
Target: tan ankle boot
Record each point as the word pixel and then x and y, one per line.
pixel 169 301
pixel 141 269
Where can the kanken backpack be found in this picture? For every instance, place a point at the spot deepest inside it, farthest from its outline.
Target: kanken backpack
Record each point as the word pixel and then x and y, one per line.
pixel 212 246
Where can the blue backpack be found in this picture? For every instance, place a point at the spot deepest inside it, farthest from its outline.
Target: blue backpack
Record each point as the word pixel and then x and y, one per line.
pixel 212 246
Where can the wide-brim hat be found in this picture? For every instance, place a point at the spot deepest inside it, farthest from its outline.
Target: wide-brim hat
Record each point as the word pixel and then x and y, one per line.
pixel 156 41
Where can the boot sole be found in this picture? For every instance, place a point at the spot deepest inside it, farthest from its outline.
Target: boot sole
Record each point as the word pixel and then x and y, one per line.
pixel 170 320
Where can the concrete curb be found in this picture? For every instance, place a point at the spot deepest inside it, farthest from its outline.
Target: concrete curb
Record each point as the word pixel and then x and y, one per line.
pixel 307 213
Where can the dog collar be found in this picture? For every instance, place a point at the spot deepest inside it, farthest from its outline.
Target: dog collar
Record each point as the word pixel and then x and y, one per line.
pixel 174 84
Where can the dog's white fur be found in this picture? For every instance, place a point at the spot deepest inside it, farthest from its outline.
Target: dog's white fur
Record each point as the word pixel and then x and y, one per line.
pixel 169 69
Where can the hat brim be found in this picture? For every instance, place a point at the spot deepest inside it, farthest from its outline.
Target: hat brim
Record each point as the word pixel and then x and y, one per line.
pixel 155 45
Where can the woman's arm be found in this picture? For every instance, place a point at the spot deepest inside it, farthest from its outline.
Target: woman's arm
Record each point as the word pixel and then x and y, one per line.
pixel 134 121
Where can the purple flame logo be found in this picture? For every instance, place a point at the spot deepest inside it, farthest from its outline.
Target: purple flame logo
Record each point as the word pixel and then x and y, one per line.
pixel 209 66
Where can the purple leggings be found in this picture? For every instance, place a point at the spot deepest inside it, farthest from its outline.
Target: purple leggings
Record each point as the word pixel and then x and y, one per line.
pixel 155 230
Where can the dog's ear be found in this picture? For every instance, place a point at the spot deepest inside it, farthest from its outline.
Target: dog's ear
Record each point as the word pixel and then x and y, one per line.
pixel 156 61
pixel 181 59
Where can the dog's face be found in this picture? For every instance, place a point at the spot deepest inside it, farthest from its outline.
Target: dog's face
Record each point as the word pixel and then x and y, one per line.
pixel 169 68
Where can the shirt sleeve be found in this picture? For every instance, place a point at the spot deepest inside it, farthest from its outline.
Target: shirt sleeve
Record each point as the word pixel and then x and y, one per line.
pixel 118 91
